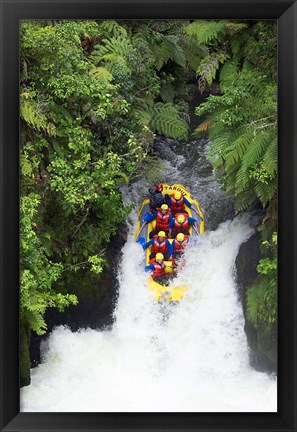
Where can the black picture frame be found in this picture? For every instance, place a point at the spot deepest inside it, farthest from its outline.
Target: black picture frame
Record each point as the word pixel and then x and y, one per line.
pixel 285 12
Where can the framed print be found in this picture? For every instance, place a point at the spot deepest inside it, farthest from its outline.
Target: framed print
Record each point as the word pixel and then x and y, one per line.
pixel 148 208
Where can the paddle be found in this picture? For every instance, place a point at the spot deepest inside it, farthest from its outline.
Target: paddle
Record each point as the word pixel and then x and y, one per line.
pixel 144 223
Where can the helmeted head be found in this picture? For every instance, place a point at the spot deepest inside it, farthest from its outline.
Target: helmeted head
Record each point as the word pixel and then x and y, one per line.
pixel 161 234
pixel 159 256
pixel 164 208
pixel 177 195
pixel 159 187
pixel 180 237
pixel 181 218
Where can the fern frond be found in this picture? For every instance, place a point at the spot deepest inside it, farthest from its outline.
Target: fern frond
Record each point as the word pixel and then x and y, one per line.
pixel 208 67
pixel 257 148
pixel 112 28
pixel 176 52
pixel 238 149
pixel 102 74
pixel 167 92
pixel 114 53
pixel 265 192
pixel 25 165
pixel 167 121
pixel 228 74
pixel 204 126
pixel 271 157
pixel 143 117
pixel 206 31
pixel 171 26
pixel 33 114
pixel 194 52
pixel 235 27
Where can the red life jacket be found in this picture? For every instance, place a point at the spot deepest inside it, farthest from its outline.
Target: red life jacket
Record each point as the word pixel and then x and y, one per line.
pixel 159 269
pixel 180 247
pixel 176 205
pixel 181 227
pixel 159 247
pixel 162 221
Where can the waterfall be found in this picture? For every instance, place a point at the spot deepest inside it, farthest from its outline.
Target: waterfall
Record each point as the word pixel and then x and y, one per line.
pixel 187 357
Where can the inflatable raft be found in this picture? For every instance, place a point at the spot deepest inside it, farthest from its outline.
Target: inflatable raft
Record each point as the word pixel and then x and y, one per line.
pixel 172 292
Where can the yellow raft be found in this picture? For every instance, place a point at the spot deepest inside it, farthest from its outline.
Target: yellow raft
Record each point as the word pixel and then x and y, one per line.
pixel 169 293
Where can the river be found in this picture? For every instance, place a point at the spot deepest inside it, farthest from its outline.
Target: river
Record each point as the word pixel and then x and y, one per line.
pixel 188 357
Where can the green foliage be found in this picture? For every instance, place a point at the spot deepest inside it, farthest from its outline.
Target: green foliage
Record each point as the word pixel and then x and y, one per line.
pixel 38 273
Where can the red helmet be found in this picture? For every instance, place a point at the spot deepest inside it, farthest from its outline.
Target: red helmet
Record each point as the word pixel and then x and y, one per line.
pixel 159 187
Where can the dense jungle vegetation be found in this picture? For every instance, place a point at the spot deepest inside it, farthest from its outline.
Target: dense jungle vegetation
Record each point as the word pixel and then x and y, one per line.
pixel 93 95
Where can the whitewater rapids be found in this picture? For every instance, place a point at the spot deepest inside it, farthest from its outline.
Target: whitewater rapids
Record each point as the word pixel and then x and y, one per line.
pixel 189 357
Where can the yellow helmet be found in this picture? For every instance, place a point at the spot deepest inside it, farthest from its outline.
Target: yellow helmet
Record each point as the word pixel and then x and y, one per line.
pixel 177 195
pixel 161 234
pixel 181 218
pixel 164 207
pixel 180 237
pixel 159 256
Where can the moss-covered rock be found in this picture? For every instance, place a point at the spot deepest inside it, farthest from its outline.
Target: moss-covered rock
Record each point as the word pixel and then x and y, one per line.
pixel 263 339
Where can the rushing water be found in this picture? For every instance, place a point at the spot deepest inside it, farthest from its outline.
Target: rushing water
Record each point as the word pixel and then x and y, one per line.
pixel 189 357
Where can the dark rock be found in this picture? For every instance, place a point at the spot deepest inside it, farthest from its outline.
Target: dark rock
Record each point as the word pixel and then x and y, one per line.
pixel 262 340
pixel 246 265
pixel 24 356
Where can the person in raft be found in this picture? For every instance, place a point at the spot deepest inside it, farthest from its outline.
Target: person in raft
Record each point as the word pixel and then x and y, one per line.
pixel 177 204
pixel 163 217
pixel 158 268
pixel 178 245
pixel 181 223
pixel 159 244
pixel 156 197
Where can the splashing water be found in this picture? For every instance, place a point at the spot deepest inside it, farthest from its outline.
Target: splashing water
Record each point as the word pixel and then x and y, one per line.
pixel 192 356
pixel 188 357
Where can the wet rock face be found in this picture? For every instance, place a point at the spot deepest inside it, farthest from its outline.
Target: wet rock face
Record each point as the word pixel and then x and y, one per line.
pixel 246 265
pixel 262 340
